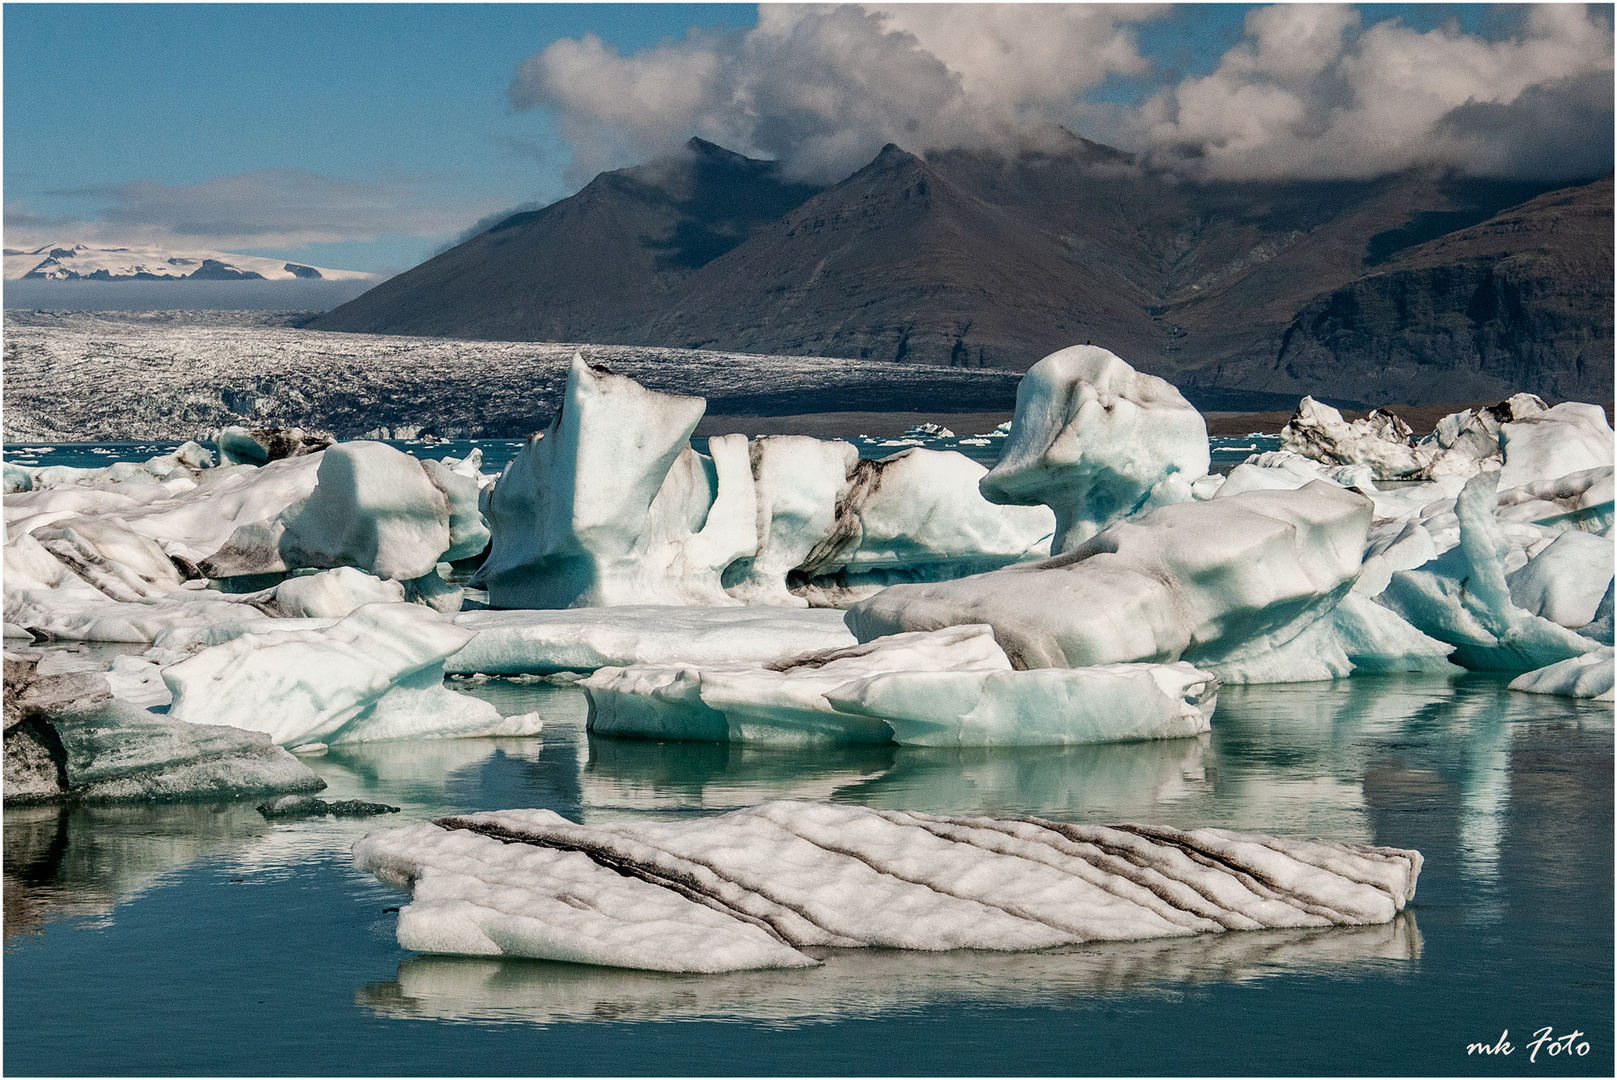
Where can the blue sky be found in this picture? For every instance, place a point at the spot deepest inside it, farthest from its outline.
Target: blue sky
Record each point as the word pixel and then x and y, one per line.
pixel 367 136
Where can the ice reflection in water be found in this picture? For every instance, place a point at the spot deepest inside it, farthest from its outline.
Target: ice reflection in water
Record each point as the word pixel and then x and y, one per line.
pixel 864 982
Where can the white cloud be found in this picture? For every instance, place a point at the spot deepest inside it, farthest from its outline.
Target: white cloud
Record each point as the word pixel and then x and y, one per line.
pixel 1310 91
pixel 1311 94
pixel 823 88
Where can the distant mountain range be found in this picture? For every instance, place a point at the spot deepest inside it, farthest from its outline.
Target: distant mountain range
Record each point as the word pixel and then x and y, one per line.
pixel 80 262
pixel 1415 288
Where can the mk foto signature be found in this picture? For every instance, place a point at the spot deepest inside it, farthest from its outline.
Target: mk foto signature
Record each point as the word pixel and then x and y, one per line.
pixel 1543 1039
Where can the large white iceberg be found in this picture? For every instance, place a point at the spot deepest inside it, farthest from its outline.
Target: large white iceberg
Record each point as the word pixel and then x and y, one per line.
pixel 584 639
pixel 372 507
pixel 570 513
pixel 376 674
pixel 753 888
pixel 1096 441
pixel 612 507
pixel 1198 581
pixel 950 687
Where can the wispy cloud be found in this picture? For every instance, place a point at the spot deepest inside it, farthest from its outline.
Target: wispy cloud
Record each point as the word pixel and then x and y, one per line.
pixel 1310 90
pixel 269 208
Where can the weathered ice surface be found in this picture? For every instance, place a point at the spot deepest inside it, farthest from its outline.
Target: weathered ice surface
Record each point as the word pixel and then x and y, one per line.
pixel 752 888
pixel 1464 597
pixel 950 687
pixel 1522 436
pixel 1097 441
pixel 584 639
pixel 1199 581
pixel 1380 440
pixel 68 738
pixel 376 674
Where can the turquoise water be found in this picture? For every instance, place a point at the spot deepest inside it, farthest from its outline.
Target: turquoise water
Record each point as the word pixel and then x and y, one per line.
pixel 204 939
pixel 1227 452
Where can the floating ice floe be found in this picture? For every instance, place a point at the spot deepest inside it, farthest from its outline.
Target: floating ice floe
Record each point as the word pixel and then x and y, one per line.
pixel 1096 441
pixel 376 674
pixel 584 639
pixel 67 736
pixel 950 687
pixel 1207 582
pixel 611 506
pixel 753 888
pixel 1586 676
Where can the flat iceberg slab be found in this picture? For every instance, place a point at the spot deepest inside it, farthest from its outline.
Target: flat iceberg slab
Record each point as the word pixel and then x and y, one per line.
pixel 752 888
pixel 949 687
pixel 376 674
pixel 585 639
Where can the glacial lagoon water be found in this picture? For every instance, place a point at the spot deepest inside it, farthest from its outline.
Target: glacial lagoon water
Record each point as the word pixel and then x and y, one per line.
pixel 204 939
pixel 1227 452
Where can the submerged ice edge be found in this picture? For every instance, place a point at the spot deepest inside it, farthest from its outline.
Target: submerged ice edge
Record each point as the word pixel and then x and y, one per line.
pixel 753 888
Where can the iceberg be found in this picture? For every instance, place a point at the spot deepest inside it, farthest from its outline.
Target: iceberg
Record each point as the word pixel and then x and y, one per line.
pixel 376 674
pixel 1195 581
pixel 1463 597
pixel 950 687
pixel 1566 581
pixel 1096 441
pixel 1381 440
pixel 1568 438
pixel 755 887
pixel 801 484
pixel 67 737
pixel 610 506
pixel 1586 676
pixel 372 507
pixel 571 516
pixel 585 639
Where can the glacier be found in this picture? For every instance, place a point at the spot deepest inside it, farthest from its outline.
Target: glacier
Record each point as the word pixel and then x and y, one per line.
pixel 754 888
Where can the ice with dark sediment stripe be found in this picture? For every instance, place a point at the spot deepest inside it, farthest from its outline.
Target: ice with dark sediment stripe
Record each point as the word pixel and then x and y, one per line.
pixel 753 888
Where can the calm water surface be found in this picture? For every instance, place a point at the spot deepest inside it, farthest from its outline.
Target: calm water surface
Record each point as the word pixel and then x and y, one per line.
pixel 203 939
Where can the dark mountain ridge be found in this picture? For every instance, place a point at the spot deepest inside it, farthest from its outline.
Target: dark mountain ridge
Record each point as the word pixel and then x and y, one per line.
pixel 971 258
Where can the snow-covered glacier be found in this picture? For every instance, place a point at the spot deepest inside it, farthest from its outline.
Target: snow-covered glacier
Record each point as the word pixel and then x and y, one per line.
pixel 755 888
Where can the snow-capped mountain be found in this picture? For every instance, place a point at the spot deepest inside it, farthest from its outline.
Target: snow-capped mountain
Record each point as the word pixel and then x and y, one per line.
pixel 80 262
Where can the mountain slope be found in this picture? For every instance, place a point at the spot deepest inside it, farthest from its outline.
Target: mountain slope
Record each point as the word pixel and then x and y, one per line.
pixel 593 267
pixel 976 258
pixel 898 263
pixel 1523 299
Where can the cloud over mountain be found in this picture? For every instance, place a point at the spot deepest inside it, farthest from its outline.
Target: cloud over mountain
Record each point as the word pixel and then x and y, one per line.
pixel 1309 90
